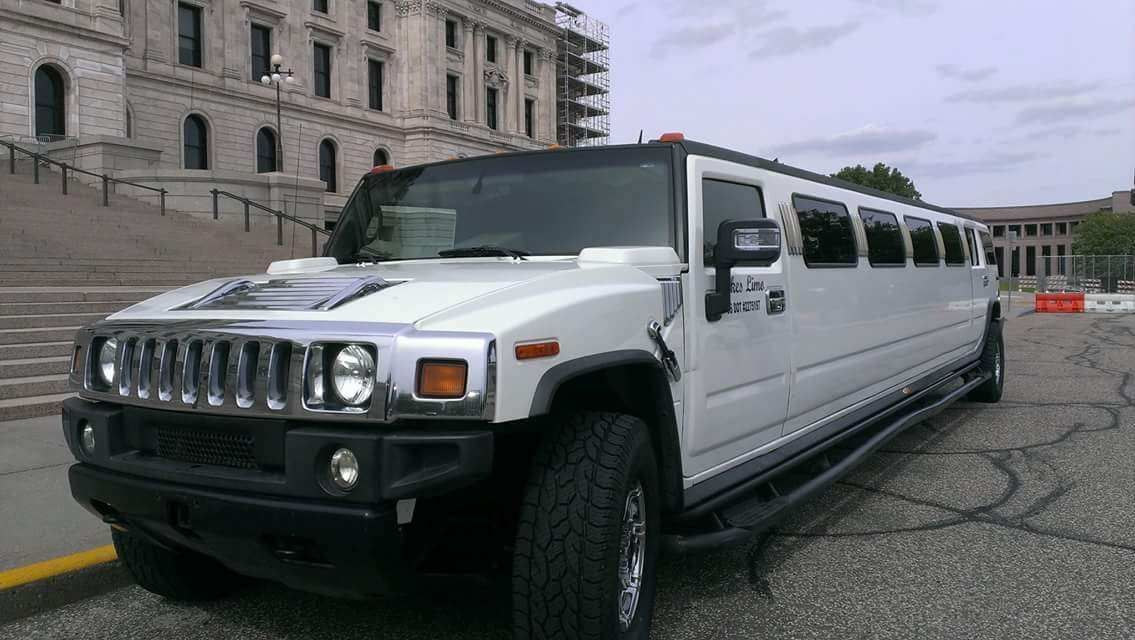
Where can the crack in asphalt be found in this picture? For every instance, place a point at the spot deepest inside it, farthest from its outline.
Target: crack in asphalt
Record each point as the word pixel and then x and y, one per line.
pixel 1008 461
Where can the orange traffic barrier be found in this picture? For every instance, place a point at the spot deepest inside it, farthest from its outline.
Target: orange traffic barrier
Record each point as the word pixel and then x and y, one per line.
pixel 1059 303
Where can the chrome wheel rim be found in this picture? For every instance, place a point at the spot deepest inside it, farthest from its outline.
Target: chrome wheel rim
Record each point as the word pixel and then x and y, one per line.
pixel 997 365
pixel 632 555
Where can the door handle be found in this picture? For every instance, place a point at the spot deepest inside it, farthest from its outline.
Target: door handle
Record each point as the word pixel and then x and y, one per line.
pixel 776 302
pixel 985 280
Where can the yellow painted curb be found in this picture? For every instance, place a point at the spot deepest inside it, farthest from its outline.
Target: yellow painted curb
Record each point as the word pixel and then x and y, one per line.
pixel 56 566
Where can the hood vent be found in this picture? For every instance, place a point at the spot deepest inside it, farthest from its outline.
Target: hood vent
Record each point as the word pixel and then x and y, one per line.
pixel 297 294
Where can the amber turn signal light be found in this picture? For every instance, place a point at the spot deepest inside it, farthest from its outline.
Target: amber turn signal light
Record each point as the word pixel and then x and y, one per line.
pixel 532 350
pixel 444 379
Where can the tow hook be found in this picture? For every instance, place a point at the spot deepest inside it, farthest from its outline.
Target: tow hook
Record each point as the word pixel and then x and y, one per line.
pixel 669 360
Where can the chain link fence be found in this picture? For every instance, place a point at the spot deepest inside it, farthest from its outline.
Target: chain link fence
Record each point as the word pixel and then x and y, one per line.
pixel 1088 274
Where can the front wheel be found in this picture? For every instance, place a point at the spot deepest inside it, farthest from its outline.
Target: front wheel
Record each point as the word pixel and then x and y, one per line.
pixel 588 539
pixel 176 575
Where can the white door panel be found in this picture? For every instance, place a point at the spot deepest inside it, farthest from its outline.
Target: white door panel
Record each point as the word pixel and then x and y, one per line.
pixel 737 394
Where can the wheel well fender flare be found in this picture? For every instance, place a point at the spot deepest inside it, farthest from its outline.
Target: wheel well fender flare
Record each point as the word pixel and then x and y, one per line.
pixel 661 421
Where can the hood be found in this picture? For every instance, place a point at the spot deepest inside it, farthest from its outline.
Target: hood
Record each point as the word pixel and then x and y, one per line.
pixel 394 292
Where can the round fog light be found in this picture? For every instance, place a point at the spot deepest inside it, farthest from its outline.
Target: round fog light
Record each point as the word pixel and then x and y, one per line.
pixel 344 469
pixel 87 437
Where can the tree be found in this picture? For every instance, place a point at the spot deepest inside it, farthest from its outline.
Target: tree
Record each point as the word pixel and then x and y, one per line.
pixel 881 177
pixel 1105 233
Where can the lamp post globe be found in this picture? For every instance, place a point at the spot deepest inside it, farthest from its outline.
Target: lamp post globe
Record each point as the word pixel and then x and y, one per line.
pixel 277 59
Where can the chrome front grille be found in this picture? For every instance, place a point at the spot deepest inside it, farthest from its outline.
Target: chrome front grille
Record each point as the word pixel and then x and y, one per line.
pixel 207 371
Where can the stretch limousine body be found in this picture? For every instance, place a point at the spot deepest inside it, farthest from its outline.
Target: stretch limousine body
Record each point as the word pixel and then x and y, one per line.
pixel 552 365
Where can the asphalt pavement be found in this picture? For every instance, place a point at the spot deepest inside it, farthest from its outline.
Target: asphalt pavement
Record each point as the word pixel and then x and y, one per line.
pixel 1014 520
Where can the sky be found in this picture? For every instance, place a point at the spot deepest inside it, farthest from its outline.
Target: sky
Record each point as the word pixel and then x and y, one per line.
pixel 980 102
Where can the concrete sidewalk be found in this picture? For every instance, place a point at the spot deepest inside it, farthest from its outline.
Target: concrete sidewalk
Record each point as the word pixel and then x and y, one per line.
pixel 40 519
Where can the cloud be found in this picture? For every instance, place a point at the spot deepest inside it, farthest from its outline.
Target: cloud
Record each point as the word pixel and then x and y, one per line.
pixel 626 9
pixel 1067 132
pixel 867 140
pixel 913 8
pixel 707 25
pixel 1051 113
pixel 1024 93
pixel 696 36
pixel 972 74
pixel 997 162
pixel 785 41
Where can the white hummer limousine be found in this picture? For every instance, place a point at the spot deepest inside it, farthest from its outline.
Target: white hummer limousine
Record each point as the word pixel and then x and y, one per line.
pixel 549 365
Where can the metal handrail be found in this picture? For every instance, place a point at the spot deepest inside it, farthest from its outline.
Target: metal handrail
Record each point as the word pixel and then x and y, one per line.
pixel 280 217
pixel 37 158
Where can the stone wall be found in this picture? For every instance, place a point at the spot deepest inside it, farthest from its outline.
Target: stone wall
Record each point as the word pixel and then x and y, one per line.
pixel 84 40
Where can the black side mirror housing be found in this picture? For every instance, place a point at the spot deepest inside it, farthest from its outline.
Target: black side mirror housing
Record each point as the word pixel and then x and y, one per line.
pixel 754 242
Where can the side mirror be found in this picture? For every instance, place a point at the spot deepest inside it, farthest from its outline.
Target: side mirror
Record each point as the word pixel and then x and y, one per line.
pixel 755 242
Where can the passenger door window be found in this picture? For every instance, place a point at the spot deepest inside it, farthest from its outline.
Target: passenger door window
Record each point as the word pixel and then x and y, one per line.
pixel 825 229
pixel 885 245
pixel 952 241
pixel 723 201
pixel 971 238
pixel 923 241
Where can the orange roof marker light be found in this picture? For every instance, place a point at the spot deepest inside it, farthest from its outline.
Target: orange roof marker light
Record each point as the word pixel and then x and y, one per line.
pixel 532 350
pixel 554 146
pixel 382 168
pixel 673 136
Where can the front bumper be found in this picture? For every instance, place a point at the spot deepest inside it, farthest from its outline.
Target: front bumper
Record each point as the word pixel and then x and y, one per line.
pixel 280 519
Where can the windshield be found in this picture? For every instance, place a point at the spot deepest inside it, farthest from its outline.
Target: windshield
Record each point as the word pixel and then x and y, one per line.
pixel 553 203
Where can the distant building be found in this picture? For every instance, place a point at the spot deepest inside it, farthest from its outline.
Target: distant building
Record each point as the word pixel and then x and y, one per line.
pixel 1043 230
pixel 166 90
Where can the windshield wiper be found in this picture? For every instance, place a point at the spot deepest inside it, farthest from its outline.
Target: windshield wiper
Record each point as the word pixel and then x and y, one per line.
pixel 366 254
pixel 483 251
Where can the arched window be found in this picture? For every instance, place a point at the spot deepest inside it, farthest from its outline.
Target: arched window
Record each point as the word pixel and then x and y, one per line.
pixel 380 158
pixel 50 116
pixel 266 151
pixel 327 164
pixel 196 143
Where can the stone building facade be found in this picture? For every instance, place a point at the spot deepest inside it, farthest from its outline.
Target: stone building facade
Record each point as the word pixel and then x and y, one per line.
pixel 1043 232
pixel 169 91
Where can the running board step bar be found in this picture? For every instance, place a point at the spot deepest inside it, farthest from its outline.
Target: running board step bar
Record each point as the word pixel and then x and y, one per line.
pixel 770 500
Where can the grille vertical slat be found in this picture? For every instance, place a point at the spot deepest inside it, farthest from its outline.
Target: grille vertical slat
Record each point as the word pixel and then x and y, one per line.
pixel 191 371
pixel 167 367
pixel 277 376
pixel 216 373
pixel 127 366
pixel 247 366
pixel 145 368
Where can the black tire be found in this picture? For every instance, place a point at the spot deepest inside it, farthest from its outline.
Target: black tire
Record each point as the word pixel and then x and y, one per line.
pixel 175 575
pixel 993 362
pixel 569 540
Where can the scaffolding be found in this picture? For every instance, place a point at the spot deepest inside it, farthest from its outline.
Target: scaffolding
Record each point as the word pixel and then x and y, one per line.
pixel 583 84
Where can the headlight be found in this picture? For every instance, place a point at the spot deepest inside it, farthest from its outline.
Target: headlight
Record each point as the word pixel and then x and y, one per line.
pixel 352 374
pixel 107 353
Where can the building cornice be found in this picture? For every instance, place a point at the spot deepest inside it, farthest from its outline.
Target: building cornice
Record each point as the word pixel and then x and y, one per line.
pixel 77 30
pixel 544 25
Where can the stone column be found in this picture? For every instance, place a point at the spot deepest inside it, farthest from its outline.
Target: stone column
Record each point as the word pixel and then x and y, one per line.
pixel 469 81
pixel 519 85
pixel 512 88
pixel 479 71
pixel 435 57
pixel 548 89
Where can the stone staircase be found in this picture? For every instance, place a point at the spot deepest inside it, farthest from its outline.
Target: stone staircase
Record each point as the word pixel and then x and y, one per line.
pixel 66 261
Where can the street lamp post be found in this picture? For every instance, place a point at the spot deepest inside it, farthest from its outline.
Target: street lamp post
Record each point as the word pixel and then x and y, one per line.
pixel 278 76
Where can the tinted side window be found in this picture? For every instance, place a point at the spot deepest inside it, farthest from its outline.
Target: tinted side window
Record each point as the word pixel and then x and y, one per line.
pixel 723 201
pixel 971 238
pixel 922 239
pixel 952 241
pixel 825 228
pixel 987 244
pixel 884 239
